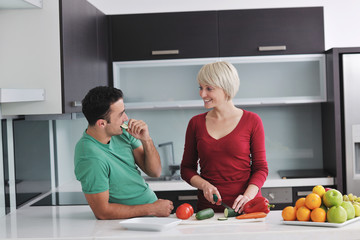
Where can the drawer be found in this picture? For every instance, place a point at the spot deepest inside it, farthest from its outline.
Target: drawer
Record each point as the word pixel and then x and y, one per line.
pixel 278 194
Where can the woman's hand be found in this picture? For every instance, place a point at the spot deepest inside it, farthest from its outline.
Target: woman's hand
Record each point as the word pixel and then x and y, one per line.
pixel 208 190
pixel 239 203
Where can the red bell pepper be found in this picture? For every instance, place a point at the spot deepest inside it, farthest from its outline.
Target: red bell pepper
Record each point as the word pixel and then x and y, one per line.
pixel 258 204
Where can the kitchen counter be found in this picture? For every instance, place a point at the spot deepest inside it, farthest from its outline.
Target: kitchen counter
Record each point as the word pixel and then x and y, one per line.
pixel 273 180
pixel 78 222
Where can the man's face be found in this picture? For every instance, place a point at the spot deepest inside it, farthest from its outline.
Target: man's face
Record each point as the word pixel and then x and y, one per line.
pixel 117 118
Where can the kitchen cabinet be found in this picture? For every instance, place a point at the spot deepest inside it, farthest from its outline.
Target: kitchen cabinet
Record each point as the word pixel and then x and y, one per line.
pixel 164 35
pixel 284 80
pixel 179 197
pixel 66 55
pixel 217 33
pixel 84 35
pixel 271 31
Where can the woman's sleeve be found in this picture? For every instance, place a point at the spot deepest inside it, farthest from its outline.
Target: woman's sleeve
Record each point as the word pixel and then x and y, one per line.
pixel 259 167
pixel 189 163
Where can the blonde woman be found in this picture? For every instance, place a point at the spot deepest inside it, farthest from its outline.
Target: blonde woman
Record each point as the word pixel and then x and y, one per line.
pixel 227 143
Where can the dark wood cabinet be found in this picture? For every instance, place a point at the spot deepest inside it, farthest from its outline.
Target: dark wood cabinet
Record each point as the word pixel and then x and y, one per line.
pixel 179 197
pixel 271 31
pixel 84 48
pixel 164 36
pixel 217 33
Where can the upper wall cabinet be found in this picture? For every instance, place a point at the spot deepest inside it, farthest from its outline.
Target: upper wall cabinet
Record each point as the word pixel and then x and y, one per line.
pixel 217 33
pixel 271 31
pixel 164 36
pixel 84 33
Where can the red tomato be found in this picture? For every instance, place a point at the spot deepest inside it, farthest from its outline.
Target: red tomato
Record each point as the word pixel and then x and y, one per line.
pixel 184 211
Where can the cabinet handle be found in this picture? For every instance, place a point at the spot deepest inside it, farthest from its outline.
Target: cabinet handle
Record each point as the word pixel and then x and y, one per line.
pixel 187 198
pixel 165 52
pixel 272 48
pixel 303 193
pixel 76 104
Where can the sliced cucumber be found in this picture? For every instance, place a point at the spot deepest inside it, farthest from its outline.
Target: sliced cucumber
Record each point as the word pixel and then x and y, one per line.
pixel 222 218
pixel 205 214
pixel 229 212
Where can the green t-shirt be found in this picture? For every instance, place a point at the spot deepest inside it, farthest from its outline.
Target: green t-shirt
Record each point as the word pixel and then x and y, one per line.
pixel 100 167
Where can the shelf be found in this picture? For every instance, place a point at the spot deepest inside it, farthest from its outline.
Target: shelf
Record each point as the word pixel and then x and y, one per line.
pixel 19 4
pixel 10 95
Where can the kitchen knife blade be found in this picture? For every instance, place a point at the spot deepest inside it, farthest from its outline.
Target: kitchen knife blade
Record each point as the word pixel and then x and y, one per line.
pixel 223 204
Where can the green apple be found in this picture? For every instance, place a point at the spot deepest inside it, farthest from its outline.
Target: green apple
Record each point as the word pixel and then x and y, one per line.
pixel 349 208
pixel 324 207
pixel 357 210
pixel 336 214
pixel 332 198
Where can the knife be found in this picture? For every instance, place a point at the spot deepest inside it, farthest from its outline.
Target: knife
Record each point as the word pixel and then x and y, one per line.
pixel 222 203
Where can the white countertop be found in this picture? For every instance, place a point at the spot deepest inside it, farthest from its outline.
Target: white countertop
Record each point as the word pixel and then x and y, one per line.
pixel 78 222
pixel 179 185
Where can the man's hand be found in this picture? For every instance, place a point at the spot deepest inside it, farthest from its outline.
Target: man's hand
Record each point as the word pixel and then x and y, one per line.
pixel 139 129
pixel 162 208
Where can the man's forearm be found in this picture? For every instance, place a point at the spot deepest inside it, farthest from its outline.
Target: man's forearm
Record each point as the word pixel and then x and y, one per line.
pixel 152 162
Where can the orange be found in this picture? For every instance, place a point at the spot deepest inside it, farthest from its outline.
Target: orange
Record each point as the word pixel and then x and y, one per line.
pixel 319 190
pixel 303 214
pixel 300 202
pixel 289 213
pixel 318 215
pixel 312 201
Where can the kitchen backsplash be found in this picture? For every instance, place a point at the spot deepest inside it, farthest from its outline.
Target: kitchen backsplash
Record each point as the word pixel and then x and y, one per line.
pixel 292 136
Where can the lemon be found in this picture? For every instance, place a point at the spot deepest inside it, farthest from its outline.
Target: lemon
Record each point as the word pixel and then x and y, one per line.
pixel 319 190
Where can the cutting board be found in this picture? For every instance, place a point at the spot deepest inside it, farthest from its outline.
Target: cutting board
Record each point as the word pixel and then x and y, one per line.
pixel 214 220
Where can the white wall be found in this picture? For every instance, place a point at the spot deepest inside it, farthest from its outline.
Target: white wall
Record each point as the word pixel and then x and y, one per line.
pixel 30 56
pixel 341 17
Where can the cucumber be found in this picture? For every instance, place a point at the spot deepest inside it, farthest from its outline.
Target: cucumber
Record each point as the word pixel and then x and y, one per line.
pixel 205 214
pixel 222 218
pixel 229 212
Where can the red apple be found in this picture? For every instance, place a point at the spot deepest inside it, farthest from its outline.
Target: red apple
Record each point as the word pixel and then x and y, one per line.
pixel 327 189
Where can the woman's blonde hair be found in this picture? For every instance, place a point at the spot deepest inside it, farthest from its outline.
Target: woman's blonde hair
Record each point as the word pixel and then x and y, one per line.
pixel 220 74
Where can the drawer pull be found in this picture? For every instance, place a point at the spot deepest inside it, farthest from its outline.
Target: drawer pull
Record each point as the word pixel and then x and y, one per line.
pixel 272 48
pixel 303 193
pixel 76 104
pixel 165 52
pixel 186 198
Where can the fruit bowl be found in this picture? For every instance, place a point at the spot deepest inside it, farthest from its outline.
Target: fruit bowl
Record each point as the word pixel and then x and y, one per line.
pixel 321 224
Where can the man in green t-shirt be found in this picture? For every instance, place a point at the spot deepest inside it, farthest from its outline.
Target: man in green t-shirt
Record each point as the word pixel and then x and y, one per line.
pixel 107 158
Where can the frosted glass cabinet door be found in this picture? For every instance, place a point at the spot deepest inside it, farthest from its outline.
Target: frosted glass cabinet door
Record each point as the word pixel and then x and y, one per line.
pixel 280 79
pixel 263 80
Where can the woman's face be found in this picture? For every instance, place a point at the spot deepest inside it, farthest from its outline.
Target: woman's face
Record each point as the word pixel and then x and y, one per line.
pixel 212 96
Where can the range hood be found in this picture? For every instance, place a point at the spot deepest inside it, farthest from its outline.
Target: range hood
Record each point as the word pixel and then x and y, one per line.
pixel 9 95
pixel 16 4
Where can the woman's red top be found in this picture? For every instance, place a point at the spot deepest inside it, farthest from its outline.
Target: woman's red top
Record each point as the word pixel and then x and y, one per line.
pixel 230 163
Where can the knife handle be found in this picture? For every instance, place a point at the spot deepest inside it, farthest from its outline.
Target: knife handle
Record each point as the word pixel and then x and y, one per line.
pixel 215 198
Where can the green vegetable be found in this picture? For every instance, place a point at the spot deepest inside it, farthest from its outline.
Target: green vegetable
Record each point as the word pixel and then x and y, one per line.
pixel 205 214
pixel 229 212
pixel 222 218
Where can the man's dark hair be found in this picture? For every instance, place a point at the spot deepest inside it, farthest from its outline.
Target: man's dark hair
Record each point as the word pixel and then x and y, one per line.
pixel 96 104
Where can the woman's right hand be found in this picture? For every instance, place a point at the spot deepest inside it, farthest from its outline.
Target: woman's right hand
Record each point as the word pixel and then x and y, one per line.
pixel 209 190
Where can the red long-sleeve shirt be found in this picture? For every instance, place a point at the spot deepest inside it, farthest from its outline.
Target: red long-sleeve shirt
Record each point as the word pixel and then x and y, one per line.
pixel 230 163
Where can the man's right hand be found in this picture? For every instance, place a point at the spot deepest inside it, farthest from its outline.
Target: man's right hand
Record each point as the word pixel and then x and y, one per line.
pixel 162 208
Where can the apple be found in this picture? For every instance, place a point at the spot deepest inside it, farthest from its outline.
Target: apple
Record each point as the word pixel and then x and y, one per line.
pixel 349 208
pixel 324 207
pixel 327 189
pixel 336 214
pixel 332 198
pixel 357 210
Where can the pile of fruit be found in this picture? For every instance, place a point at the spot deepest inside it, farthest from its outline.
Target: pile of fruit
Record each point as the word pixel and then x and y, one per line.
pixel 323 205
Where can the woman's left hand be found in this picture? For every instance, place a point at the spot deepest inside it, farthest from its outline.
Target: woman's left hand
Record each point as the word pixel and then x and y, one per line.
pixel 239 203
